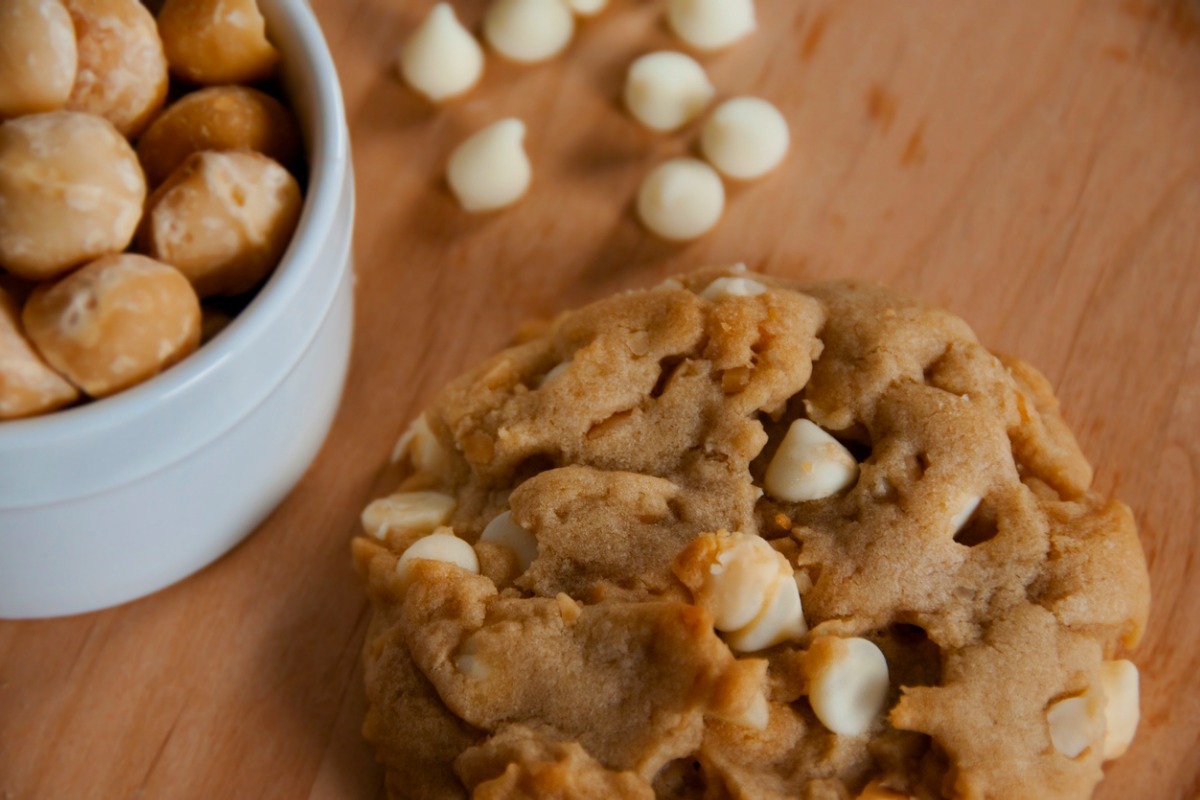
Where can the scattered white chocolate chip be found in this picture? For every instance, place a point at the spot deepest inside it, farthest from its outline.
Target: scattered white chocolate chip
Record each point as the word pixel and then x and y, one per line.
pixel 681 199
pixel 1119 679
pixel 965 509
pixel 724 288
pixel 745 138
pixel 490 170
pixel 1074 723
pixel 528 31
pixel 711 24
pixel 441 59
pixel 666 90
pixel 809 464
pixel 503 531
pixel 422 448
pixel 407 511
pixel 848 683
pixel 437 546
pixel 586 8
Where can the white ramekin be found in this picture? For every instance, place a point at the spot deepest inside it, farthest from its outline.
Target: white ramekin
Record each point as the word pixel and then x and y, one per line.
pixel 113 500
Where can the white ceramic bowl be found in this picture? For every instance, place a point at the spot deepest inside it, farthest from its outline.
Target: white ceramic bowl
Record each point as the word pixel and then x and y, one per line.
pixel 113 500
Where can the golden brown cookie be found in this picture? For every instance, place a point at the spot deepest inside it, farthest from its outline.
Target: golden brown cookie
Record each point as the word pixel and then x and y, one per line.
pixel 734 537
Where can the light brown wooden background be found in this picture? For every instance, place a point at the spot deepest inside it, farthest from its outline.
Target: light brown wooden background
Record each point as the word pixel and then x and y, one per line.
pixel 1032 164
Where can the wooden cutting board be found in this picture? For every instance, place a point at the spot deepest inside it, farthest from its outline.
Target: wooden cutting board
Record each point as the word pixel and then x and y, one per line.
pixel 1033 165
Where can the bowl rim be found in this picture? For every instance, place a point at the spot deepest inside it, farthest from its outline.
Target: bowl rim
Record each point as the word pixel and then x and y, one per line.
pixel 328 147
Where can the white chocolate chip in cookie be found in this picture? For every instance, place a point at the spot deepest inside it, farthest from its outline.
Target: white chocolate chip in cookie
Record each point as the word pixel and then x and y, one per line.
pixel 441 59
pixel 422 448
pixel 711 24
pixel 681 199
pixel 1119 680
pixel 666 90
pixel 780 620
pixel 441 545
pixel 528 31
pixel 725 288
pixel 407 511
pixel 503 531
pixel 1074 723
pixel 965 509
pixel 490 170
pixel 745 138
pixel 848 683
pixel 809 465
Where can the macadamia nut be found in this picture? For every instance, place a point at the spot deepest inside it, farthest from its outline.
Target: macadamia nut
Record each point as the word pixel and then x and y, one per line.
pixel 809 465
pixel 745 138
pixel 847 683
pixel 666 90
pixel 218 118
pixel 419 512
pixel 725 288
pixel 1075 722
pixel 114 323
pixel 441 545
pixel 224 219
pixel 490 170
pixel 503 531
pixel 216 41
pixel 681 199
pixel 441 59
pixel 528 31
pixel 1119 680
pixel 27 385
pixel 711 24
pixel 38 56
pixel 71 189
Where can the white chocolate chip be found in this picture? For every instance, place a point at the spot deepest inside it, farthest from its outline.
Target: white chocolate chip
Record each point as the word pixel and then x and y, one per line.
pixel 848 683
pixel 503 531
pixel 469 663
pixel 490 170
pixel 1119 680
pixel 1074 723
pixel 586 8
pixel 441 59
pixel 781 620
pixel 681 199
pixel 528 31
pixel 745 138
pixel 666 90
pixel 810 464
pixel 559 369
pixel 437 546
pixel 422 448
pixel 965 509
pixel 711 24
pixel 724 288
pixel 407 511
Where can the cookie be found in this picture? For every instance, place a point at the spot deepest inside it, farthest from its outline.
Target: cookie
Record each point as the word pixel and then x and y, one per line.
pixel 736 537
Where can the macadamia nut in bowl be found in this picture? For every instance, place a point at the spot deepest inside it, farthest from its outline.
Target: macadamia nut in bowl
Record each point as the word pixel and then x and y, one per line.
pixel 110 500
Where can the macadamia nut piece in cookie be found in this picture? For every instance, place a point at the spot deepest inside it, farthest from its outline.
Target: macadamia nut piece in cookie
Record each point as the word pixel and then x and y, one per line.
pixel 122 69
pixel 745 138
pixel 809 465
pixel 528 31
pixel 419 512
pixel 848 683
pixel 666 90
pixel 27 385
pixel 218 118
pixel 681 199
pixel 224 219
pixel 490 170
pixel 71 189
pixel 37 56
pixel 216 41
pixel 114 323
pixel 1120 682
pixel 711 24
pixel 441 59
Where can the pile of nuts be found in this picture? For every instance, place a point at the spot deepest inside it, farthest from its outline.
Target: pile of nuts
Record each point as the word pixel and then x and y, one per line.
pixel 118 215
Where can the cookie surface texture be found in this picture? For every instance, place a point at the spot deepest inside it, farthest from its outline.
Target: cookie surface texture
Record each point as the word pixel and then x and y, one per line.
pixel 622 632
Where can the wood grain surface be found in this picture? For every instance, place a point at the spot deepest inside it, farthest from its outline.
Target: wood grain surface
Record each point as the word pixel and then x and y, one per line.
pixel 1033 165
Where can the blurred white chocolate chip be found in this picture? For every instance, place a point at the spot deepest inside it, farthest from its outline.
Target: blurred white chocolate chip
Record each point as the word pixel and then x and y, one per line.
pixel 407 511
pixel 1075 723
pixel 724 288
pixel 666 90
pixel 1119 680
pixel 503 531
pixel 441 59
pixel 745 138
pixel 586 8
pixel 711 24
pixel 847 683
pixel 809 464
pixel 422 447
pixel 441 545
pixel 681 199
pixel 559 369
pixel 490 170
pixel 528 31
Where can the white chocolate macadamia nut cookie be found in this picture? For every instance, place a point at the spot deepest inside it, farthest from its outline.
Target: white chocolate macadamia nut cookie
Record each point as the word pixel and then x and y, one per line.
pixel 923 597
pixel 212 42
pixel 37 56
pixel 223 219
pixel 27 385
pixel 441 59
pixel 71 189
pixel 114 323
